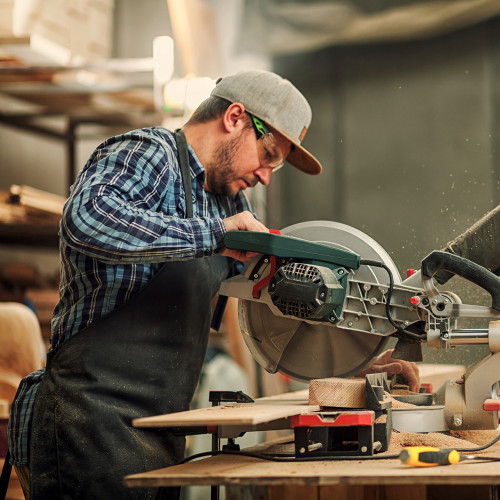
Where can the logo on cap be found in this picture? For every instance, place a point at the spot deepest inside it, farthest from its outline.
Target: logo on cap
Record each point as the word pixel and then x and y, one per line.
pixel 302 134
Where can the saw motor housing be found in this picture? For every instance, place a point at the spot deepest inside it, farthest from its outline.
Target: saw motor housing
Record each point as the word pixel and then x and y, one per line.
pixel 308 291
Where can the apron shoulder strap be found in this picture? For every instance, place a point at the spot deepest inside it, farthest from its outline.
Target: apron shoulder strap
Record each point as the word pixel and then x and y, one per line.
pixel 182 149
pixel 4 479
pixel 180 139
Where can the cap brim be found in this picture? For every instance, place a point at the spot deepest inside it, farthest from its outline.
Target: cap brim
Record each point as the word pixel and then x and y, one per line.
pixel 304 161
pixel 299 157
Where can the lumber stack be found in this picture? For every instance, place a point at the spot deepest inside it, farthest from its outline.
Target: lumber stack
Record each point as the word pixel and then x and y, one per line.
pixel 36 199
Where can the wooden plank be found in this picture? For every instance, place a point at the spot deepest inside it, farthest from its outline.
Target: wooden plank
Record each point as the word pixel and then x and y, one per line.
pixel 338 392
pixel 238 414
pixel 36 198
pixel 351 393
pixel 297 397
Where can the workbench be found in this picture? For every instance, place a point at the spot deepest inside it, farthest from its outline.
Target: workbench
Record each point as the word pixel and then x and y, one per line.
pixel 381 479
pixel 246 477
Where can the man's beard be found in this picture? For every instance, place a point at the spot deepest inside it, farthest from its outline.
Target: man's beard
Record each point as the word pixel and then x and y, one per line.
pixel 222 172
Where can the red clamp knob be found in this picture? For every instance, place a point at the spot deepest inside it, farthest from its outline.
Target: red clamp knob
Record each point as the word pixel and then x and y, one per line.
pixel 491 405
pixel 415 301
pixel 427 387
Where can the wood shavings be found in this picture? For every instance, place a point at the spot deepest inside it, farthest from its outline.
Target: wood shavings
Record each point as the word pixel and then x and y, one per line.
pixel 459 439
pixel 402 392
pixel 401 439
pixel 396 403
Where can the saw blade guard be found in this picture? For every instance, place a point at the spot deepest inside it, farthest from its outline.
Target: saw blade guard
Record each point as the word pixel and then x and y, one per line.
pixel 303 349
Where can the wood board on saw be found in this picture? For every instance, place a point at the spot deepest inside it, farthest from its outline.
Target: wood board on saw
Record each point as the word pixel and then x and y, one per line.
pixel 269 408
pixel 235 414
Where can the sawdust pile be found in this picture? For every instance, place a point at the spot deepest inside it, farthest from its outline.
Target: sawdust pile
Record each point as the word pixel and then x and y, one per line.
pixel 403 392
pixel 396 403
pixel 480 438
pixel 459 439
pixel 382 419
pixel 400 439
pixel 452 439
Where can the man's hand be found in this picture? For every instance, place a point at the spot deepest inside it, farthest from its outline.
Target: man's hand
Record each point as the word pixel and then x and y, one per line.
pixel 244 221
pixel 386 363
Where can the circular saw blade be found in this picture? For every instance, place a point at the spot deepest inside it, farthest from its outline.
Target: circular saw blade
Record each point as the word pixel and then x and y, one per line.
pixel 304 350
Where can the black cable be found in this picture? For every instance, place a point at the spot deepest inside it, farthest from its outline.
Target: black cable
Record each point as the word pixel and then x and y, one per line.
pixel 402 331
pixel 283 457
pixel 290 458
pixel 274 458
pixel 480 448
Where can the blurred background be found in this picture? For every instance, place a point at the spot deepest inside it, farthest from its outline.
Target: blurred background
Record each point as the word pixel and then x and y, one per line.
pixel 405 97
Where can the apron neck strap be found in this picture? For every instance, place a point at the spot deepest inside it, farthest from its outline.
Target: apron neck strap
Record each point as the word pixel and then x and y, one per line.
pixel 183 153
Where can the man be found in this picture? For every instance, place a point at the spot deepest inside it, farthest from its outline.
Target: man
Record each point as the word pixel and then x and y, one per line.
pixel 142 255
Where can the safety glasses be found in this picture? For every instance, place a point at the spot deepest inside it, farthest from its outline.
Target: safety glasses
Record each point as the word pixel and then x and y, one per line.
pixel 270 154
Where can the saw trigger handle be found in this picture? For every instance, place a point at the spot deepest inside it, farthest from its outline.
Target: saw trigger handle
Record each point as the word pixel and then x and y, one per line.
pixel 289 247
pixel 465 268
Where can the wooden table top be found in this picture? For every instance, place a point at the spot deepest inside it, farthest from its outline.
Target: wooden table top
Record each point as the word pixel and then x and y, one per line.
pixel 241 470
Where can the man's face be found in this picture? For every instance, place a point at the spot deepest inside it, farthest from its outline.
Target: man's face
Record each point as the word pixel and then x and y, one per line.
pixel 238 163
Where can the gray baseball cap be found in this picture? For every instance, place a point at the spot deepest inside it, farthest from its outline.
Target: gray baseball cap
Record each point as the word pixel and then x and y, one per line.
pixel 279 104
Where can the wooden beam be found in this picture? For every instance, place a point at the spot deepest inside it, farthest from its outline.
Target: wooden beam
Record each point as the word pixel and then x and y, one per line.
pixel 338 392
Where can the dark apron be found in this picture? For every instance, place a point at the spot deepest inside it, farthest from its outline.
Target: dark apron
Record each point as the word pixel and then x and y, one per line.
pixel 142 359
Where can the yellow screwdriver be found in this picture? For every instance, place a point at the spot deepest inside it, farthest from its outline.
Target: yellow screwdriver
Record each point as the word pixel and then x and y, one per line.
pixel 427 456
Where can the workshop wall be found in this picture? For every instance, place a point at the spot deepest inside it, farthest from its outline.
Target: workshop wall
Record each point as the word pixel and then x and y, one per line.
pixel 408 135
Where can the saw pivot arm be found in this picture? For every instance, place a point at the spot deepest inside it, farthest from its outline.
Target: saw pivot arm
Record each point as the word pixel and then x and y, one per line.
pixel 469 270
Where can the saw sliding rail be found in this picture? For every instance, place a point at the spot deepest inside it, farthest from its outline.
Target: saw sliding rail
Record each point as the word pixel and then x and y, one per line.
pixel 467 336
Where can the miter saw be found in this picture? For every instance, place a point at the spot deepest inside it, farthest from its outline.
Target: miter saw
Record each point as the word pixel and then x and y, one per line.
pixel 322 299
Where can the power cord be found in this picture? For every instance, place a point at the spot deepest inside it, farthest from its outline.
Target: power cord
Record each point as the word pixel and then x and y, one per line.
pixel 401 331
pixel 481 448
pixel 290 458
pixel 282 458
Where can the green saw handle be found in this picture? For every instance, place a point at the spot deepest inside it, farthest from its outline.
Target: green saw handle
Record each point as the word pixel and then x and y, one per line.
pixel 469 270
pixel 289 247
